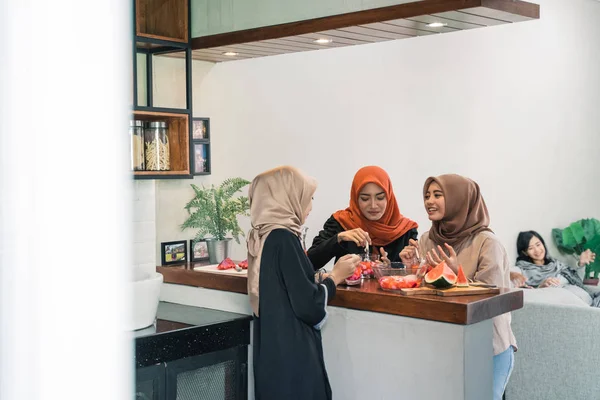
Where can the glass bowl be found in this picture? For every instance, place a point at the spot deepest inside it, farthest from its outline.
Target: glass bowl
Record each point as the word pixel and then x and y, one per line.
pixel 354 283
pixel 397 276
pixel 367 264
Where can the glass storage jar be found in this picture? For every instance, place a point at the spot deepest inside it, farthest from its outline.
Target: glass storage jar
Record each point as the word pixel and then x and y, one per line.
pixel 156 146
pixel 136 137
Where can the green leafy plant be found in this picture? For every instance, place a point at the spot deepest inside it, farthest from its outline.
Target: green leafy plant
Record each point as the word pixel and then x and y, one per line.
pixel 578 237
pixel 214 211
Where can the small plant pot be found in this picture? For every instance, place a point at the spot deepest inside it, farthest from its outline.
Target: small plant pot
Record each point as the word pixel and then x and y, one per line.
pixel 591 282
pixel 218 250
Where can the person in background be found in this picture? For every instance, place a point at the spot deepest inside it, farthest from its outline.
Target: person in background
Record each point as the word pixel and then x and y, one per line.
pixel 289 307
pixel 460 235
pixel 372 218
pixel 538 270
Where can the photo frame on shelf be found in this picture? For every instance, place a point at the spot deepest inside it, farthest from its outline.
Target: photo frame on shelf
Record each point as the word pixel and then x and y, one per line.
pixel 200 159
pixel 198 250
pixel 200 128
pixel 174 252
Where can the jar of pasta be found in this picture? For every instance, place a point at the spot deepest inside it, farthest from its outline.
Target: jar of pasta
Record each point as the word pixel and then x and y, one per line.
pixel 156 146
pixel 136 137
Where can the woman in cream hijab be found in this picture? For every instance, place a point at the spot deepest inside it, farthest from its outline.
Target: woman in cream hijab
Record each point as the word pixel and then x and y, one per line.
pixel 460 235
pixel 289 306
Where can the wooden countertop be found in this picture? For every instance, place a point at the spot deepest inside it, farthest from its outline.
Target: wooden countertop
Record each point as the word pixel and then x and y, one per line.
pixel 463 310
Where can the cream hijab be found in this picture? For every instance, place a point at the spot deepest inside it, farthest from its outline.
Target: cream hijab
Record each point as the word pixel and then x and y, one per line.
pixel 279 199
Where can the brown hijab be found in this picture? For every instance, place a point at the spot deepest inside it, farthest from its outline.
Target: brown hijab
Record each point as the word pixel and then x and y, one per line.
pixel 279 199
pixel 466 213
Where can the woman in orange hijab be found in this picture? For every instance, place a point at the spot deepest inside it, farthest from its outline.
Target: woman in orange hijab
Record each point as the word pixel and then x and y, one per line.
pixel 372 218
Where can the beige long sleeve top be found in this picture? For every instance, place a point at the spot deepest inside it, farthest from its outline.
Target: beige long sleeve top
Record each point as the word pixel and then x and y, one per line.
pixel 484 259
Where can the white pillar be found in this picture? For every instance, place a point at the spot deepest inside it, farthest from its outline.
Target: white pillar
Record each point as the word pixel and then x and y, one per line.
pixel 64 200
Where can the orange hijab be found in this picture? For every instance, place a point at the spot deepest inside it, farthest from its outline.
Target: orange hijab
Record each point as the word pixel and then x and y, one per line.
pixel 391 225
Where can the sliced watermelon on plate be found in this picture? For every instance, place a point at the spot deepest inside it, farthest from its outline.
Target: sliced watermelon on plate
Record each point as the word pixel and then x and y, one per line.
pixel 441 276
pixel 226 264
pixel 461 279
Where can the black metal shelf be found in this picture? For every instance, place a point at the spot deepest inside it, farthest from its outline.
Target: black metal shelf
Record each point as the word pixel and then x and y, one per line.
pixel 182 111
pixel 186 176
pixel 153 46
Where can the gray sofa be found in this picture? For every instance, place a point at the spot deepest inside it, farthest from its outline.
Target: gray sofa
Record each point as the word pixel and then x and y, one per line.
pixel 559 348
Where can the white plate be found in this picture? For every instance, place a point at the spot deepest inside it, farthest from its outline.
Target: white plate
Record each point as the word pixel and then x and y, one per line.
pixel 213 270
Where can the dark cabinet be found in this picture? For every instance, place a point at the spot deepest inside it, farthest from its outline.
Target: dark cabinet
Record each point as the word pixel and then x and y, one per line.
pixel 150 383
pixel 215 376
pixel 221 375
pixel 192 353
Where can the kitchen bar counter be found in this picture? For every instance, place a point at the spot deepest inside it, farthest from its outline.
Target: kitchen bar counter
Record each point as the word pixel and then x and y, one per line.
pixel 183 331
pixel 463 310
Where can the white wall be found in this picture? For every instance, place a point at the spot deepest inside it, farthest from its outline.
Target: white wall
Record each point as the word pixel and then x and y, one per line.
pixel 513 107
pixel 144 225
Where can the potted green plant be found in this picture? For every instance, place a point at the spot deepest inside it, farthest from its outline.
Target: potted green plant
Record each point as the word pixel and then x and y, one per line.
pixel 214 211
pixel 578 237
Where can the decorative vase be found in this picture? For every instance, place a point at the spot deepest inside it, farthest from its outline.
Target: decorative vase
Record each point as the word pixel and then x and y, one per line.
pixel 218 250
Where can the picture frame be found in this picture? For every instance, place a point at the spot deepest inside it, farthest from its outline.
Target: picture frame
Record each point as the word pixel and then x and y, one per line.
pixel 174 252
pixel 200 159
pixel 199 250
pixel 200 128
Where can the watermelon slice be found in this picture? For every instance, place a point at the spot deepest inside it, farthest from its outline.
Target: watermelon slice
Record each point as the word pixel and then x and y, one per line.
pixel 441 276
pixel 243 264
pixel 226 264
pixel 461 279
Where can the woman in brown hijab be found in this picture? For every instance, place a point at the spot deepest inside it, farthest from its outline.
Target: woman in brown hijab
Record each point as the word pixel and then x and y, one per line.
pixel 460 235
pixel 289 306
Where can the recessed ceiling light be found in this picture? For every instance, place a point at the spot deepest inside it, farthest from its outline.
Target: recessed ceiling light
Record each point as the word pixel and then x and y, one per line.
pixel 322 41
pixel 436 24
pixel 230 53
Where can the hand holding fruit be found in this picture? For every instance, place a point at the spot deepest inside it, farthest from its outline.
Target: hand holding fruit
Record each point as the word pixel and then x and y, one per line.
pixel 358 236
pixel 356 275
pixel 344 268
pixel 587 257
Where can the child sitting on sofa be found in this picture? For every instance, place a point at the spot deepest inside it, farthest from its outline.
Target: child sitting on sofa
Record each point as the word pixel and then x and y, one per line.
pixel 537 269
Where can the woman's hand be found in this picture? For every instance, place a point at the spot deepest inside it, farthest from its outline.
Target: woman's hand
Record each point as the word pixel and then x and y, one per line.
pixel 384 256
pixel 344 268
pixel 409 254
pixel 587 257
pixel 433 258
pixel 550 282
pixel 358 236
pixel 518 279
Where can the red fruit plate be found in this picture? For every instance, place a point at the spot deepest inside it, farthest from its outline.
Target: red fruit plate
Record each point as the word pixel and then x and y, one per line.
pixel 353 282
pixel 394 278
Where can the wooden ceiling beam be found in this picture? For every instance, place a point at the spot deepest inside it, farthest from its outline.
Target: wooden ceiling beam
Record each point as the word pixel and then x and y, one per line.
pixel 399 11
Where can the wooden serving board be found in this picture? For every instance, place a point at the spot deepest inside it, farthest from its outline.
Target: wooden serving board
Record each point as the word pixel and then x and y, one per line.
pixel 213 269
pixel 466 291
pixel 416 291
pixel 454 291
